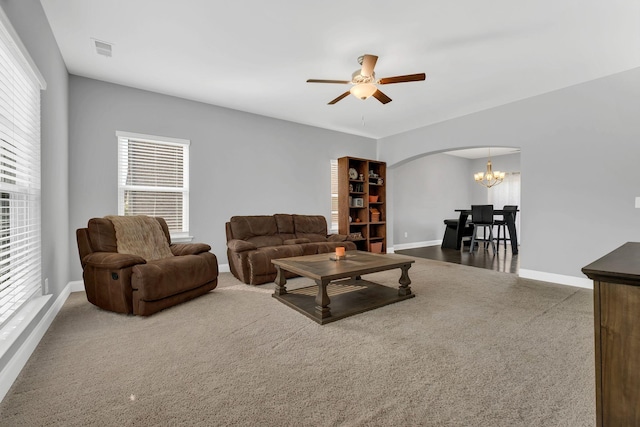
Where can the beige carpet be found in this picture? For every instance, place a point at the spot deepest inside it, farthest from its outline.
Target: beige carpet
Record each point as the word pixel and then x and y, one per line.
pixel 474 348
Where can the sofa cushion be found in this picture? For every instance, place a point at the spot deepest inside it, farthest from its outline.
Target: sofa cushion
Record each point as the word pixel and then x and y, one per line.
pixel 261 230
pixel 285 225
pixel 312 227
pixel 296 241
pixel 170 276
pixel 260 260
pixel 102 235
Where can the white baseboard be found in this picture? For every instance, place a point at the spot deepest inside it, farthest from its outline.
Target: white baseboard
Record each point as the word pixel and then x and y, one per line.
pixel 412 245
pixel 76 286
pixel 561 279
pixel 12 369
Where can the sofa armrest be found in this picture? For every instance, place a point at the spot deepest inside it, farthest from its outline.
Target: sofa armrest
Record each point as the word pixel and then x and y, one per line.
pixel 180 249
pixel 337 237
pixel 112 260
pixel 296 241
pixel 237 245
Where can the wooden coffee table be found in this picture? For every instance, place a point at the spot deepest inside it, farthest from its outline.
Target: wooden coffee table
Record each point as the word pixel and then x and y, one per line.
pixel 348 297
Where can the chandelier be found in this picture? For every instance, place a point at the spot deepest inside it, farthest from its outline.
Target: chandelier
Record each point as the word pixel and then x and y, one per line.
pixel 489 178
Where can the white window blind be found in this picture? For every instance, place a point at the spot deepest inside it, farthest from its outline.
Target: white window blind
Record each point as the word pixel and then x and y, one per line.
pixel 153 179
pixel 20 233
pixel 507 193
pixel 334 195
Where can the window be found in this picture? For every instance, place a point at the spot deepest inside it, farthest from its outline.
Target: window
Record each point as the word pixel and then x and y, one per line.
pixel 334 195
pixel 20 236
pixel 153 179
pixel 507 193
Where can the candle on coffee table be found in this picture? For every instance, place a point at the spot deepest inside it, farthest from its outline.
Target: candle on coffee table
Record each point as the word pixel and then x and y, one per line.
pixel 340 251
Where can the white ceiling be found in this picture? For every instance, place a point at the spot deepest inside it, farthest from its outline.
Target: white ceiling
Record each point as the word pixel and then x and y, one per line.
pixel 256 56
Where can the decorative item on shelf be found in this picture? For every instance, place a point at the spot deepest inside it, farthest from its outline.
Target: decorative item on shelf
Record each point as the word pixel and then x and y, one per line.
pixel 350 219
pixel 490 178
pixel 350 187
pixel 355 236
pixel 353 173
pixel 375 215
pixel 380 181
pixel 373 198
pixel 357 219
pixel 358 202
pixel 375 247
pixel 361 177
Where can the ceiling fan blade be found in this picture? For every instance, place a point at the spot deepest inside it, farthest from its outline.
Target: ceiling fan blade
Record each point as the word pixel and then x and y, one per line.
pixel 368 63
pixel 347 93
pixel 328 81
pixel 402 79
pixel 381 97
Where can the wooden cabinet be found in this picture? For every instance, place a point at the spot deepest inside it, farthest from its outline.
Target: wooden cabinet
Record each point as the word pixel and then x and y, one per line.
pixel 362 201
pixel 616 296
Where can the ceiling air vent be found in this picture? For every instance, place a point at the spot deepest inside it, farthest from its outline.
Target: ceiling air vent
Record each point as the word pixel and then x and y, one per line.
pixel 102 48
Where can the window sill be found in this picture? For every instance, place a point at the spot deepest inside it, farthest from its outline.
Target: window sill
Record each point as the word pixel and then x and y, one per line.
pixel 181 239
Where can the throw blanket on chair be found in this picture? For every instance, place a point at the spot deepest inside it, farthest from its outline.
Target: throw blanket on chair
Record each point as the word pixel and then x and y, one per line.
pixel 140 235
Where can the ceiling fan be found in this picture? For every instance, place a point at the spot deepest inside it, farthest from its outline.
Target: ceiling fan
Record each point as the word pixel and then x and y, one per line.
pixel 364 81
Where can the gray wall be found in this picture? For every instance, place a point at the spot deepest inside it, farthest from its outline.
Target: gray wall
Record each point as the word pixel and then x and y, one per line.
pixel 425 192
pixel 579 154
pixel 241 163
pixel 29 20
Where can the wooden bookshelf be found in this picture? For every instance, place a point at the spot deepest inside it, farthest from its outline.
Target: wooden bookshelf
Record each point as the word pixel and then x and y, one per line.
pixel 362 202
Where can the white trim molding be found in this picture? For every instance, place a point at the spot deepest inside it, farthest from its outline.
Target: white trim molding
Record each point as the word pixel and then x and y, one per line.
pixel 12 369
pixel 561 279
pixel 76 286
pixel 401 246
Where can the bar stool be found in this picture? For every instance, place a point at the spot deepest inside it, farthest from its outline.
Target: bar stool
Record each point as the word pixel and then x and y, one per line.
pixel 502 224
pixel 482 218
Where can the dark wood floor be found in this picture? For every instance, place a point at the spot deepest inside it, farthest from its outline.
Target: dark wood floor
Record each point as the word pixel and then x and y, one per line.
pixel 501 261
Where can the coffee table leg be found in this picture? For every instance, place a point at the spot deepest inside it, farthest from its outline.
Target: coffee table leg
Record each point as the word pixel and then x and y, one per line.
pixel 405 289
pixel 281 281
pixel 322 299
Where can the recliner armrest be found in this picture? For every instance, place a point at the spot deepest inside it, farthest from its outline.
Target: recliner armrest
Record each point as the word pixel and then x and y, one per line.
pixel 112 260
pixel 237 245
pixel 337 237
pixel 180 249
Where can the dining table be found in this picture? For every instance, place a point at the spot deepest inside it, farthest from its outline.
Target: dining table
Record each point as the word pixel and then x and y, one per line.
pixel 508 215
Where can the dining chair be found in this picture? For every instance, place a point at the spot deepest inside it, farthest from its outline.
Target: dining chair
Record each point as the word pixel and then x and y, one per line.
pixel 502 225
pixel 482 218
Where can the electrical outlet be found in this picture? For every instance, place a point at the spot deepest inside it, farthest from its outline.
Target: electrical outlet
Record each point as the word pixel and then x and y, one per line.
pixel 406 234
pixel 46 286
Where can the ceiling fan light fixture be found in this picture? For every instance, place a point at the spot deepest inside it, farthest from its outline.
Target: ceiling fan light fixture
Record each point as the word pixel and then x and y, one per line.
pixel 363 90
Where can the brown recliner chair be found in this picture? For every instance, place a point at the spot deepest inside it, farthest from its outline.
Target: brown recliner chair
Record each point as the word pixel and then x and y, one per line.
pixel 127 283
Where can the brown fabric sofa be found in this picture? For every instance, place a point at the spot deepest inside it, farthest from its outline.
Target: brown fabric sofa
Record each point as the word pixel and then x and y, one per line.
pixel 253 241
pixel 128 284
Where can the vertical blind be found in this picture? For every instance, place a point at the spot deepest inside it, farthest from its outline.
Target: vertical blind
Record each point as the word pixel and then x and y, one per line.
pixel 20 234
pixel 507 193
pixel 153 179
pixel 334 195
